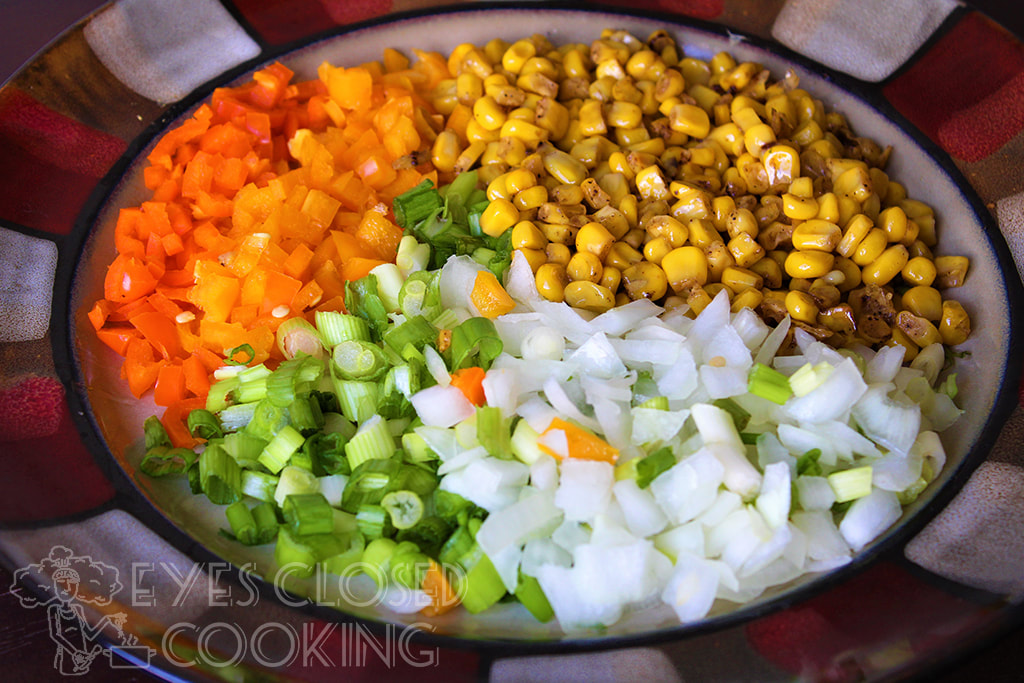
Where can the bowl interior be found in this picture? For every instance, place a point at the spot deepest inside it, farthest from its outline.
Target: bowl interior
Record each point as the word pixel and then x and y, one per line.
pixel 118 416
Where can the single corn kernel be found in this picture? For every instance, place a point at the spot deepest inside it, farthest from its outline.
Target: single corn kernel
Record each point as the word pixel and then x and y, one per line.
pixel 685 265
pixel 564 167
pixel 499 216
pixel 551 279
pixel 530 198
pixel 923 301
pixel 622 255
pixel 801 306
pixel 920 330
pixel 894 221
pixel 950 271
pixel 517 54
pixel 739 279
pixel 757 140
pixel 651 183
pixel 770 271
pixel 645 280
pixel 955 325
pixel 611 277
pixel 526 235
pixel 535 257
pixel 585 266
pixel 689 119
pixel 799 208
pixel 899 338
pixel 745 250
pixel 919 271
pixel 855 232
pixel 816 235
pixel 655 249
pixel 594 238
pixel 558 253
pixel 488 114
pixel 870 248
pixel 886 266
pixel 445 151
pixel 808 264
pixel 589 296
pixel 668 227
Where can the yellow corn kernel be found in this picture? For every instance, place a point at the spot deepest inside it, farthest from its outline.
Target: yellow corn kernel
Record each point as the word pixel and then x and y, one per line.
pixel 721 208
pixel 585 266
pixel 854 182
pixel 655 249
pixel 530 133
pixel 702 233
pixel 499 216
pixel 910 349
pixel 870 248
pixel 611 277
pixel 856 230
pixel 739 279
pixel 919 270
pixel 551 279
pixel 828 207
pixel 394 60
pixel 689 119
pixel 895 193
pixel 911 235
pixel 923 301
pixel 748 298
pixel 558 253
pixel 693 202
pixel 517 54
pixel 846 274
pixel 469 88
pixel 622 255
pixel 564 167
pixel 488 114
pixel 816 235
pixel 719 258
pixel 530 198
pixel 955 325
pixel 494 50
pixel 799 208
pixel 950 271
pixel 589 296
pixel 741 221
pixel 574 64
pixel 535 257
pixel 497 189
pixel 445 151
pixel 645 280
pixel 613 220
pixel 745 250
pixel 894 221
pixel 651 183
pixel 919 248
pixel 886 266
pixel 642 62
pixel 522 114
pixel 559 233
pixel 802 187
pixel 537 82
pixel 566 194
pixel 695 70
pixel 669 228
pixel 624 115
pixel 745 112
pixel 808 264
pixel 671 83
pixel 920 330
pixel 848 208
pixel 519 179
pixel 475 132
pixel 591 118
pixel 526 235
pixel 801 306
pixel 757 139
pixel 595 239
pixel 486 174
pixel 469 156
pixel 629 207
pixel 871 207
pixel 770 271
pixel 685 265
pixel 553 117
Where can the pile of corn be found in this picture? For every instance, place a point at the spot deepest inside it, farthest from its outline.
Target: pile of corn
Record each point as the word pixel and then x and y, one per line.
pixel 626 169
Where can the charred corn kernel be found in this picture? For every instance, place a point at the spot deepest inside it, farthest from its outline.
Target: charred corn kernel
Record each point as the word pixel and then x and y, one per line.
pixel 585 266
pixel 624 115
pixel 645 280
pixel 635 238
pixel 651 183
pixel 559 233
pixel 589 296
pixel 563 167
pixel 537 82
pixel 801 306
pixel 517 54
pixel 499 216
pixel 702 233
pixel 655 249
pixel 757 139
pixel 551 279
pixel 838 319
pixel 739 77
pixel 923 301
pixel 526 235
pixel 851 275
pixel 886 266
pixel 919 271
pixel 669 228
pixel 899 338
pixel 558 253
pixel 622 255
pixel 721 208
pixel 741 221
pixel 611 277
pixel 445 151
pixel 719 258
pixel 870 248
pixel 855 232
pixel 535 257
pixel 595 239
pixel 697 298
pixel 894 221
pixel 693 202
pixel 911 235
pixel 853 182
pixel 566 194
pixel 955 325
pixel 689 119
pixel 816 235
pixel 770 272
pixel 745 250
pixel 808 264
pixel 468 158
pixel 671 83
pixel 488 114
pixel 739 279
pixel 613 220
pixel 799 208
pixel 530 133
pixel 683 265
pixel 530 198
pixel 753 173
pixel 950 271
pixel 920 330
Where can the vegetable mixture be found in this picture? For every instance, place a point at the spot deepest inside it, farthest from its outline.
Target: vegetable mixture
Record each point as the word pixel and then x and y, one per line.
pixel 485 326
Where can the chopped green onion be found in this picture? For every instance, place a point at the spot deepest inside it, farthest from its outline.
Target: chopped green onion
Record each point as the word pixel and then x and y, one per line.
pixel 493 431
pixel 245 349
pixel 948 386
pixel 416 204
pixel 415 331
pixel 769 383
pixel 420 294
pixel 326 452
pixel 400 383
pixel 238 416
pixel 650 467
pixel 474 342
pixel 242 523
pixel 336 327
pixel 348 560
pixel 368 483
pixel 808 463
pixel 359 360
pixel 740 417
pixel 358 399
pixel 372 441
pixel 308 513
pixel 481 586
pixel 244 448
pixel 530 594
pixel 656 403
pixel 376 559
pixel 252 384
pixel 445 320
pixel 416 448
pixel 851 484
pixel 294 480
pixel 408 565
pixel 300 554
pixel 219 475
pixel 296 335
pixel 275 456
pixel 362 299
pixel 161 460
pixel 266 522
pixel 155 433
pixel 429 534
pixel 304 414
pixel 412 257
pixel 298 375
pixel 451 507
pixel 222 394
pixel 404 507
pixel 389 284
pixel 203 424
pixel 373 521
pixel 259 485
